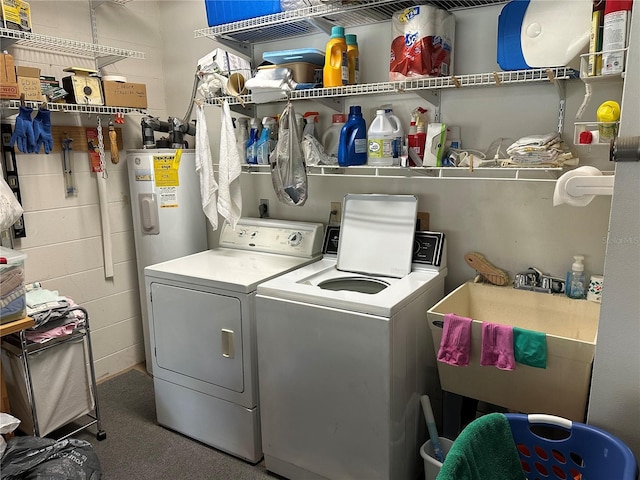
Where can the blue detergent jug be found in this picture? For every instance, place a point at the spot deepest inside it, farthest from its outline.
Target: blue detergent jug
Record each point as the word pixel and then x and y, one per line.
pixel 352 149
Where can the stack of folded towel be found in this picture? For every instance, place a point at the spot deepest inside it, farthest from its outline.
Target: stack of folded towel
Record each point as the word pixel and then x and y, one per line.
pixel 534 150
pixel 54 315
pixel 502 345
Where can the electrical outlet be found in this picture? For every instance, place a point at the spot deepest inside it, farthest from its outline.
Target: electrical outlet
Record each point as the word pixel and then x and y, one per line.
pixel 336 212
pixel 263 208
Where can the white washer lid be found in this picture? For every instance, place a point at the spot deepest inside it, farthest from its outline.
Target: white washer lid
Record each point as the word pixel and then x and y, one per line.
pixel 376 234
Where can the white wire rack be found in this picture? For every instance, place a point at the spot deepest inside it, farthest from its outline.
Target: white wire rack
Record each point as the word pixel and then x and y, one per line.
pixel 97 3
pixel 103 55
pixel 318 18
pixel 433 83
pixel 71 108
pixel 529 174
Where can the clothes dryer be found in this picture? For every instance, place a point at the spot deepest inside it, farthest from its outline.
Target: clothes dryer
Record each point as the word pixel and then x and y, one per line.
pixel 202 330
pixel 346 353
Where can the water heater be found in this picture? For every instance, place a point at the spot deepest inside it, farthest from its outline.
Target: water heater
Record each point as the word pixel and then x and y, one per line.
pixel 168 221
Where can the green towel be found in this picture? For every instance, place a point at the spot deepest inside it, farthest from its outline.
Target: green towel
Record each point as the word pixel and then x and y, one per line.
pixel 485 450
pixel 530 348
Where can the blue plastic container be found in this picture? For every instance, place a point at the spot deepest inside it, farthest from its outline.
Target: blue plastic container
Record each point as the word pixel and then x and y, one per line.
pixel 558 449
pixel 227 11
pixel 352 149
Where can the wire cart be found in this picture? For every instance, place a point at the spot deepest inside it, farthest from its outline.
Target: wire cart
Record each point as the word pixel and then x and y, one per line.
pixel 553 447
pixel 59 368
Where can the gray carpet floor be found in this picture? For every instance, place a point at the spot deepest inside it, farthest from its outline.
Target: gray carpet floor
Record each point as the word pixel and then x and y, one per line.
pixel 137 448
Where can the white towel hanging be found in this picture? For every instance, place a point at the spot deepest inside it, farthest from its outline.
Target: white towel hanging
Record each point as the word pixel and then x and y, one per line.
pixel 204 167
pixel 229 194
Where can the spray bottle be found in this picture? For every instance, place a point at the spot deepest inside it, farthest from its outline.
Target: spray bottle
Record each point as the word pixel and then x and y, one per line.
pixel 417 137
pixel 253 140
pixel 264 145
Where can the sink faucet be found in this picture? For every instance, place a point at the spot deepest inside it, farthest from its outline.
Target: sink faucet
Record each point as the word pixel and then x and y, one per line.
pixel 533 279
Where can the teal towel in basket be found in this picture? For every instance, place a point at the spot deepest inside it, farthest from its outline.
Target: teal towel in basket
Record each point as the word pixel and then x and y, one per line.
pixel 484 450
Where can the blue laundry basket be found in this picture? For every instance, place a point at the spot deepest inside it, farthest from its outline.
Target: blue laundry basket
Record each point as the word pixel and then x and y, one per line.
pixel 556 448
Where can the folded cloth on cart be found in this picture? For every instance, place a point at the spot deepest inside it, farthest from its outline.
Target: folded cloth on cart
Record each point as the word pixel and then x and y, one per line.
pixel 50 310
pixel 43 336
pixel 484 450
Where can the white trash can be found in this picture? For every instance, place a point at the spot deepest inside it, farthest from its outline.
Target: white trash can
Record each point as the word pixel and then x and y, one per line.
pixel 431 465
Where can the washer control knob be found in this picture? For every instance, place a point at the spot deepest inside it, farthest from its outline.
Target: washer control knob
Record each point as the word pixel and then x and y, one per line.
pixel 295 239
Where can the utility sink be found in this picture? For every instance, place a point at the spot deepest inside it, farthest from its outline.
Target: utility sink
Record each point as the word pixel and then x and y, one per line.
pixel 571 328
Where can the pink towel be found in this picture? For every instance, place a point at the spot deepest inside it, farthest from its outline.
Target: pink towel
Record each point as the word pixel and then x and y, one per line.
pixel 497 346
pixel 455 344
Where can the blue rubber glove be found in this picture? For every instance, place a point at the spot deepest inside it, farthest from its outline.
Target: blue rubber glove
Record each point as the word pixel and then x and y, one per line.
pixel 23 132
pixel 42 131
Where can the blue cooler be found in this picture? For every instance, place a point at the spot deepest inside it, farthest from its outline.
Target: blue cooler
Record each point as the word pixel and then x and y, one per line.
pixel 227 11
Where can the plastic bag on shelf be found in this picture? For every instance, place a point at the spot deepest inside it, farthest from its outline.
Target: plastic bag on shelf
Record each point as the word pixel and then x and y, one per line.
pixel 10 208
pixel 314 153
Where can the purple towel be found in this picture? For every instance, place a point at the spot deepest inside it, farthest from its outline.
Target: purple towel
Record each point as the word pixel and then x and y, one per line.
pixel 497 346
pixel 455 344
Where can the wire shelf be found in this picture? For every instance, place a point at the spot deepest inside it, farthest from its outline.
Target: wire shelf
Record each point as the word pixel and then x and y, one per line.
pixel 529 174
pixel 105 55
pixel 314 19
pixel 72 108
pixel 432 83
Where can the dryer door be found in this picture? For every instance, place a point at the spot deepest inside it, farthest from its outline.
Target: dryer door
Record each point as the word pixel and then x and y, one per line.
pixel 198 335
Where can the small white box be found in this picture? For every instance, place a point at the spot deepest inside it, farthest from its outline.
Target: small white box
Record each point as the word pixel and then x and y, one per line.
pixel 223 62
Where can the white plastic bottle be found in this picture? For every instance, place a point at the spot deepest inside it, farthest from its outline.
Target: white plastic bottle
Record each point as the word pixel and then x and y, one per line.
pixel 331 137
pixel 575 287
pixel 398 136
pixel 380 141
pixel 242 136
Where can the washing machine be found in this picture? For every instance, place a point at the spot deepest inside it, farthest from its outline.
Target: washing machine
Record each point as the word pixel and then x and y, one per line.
pixel 202 330
pixel 345 350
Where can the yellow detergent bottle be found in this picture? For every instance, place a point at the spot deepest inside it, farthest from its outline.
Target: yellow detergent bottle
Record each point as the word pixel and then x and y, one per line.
pixel 353 59
pixel 336 67
pixel 608 115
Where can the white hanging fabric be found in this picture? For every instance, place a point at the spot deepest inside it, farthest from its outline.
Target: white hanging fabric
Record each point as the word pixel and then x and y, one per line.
pixel 204 168
pixel 229 194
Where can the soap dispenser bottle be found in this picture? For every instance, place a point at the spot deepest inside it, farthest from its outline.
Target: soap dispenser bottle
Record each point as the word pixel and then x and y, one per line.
pixel 575 286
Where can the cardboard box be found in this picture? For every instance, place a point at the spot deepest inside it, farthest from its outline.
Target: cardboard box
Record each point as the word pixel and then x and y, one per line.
pixel 15 15
pixel 31 72
pixel 29 83
pixel 125 94
pixel 8 80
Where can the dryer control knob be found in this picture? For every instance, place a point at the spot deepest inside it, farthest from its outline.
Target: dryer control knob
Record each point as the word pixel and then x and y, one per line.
pixel 295 239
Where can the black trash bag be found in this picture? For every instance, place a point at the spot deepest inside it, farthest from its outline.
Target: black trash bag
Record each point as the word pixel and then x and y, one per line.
pixel 35 458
